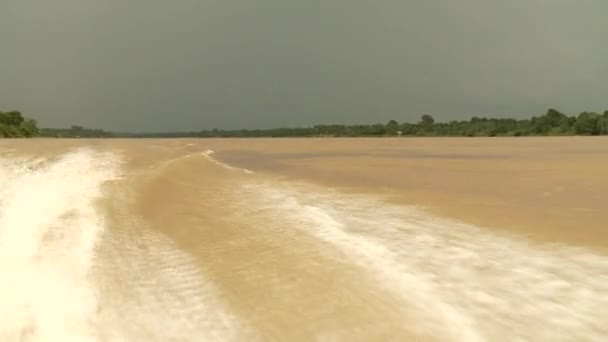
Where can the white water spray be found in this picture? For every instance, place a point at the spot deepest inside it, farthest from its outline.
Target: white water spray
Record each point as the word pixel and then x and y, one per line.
pixel 48 230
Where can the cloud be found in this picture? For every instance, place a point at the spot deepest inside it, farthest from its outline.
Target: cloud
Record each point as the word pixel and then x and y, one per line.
pixel 158 65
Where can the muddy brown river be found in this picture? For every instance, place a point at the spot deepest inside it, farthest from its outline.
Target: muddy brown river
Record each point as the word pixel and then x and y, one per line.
pixel 426 239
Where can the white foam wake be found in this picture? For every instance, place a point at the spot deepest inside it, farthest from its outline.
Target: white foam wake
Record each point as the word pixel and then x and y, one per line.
pixel 456 281
pixel 48 230
pixel 208 155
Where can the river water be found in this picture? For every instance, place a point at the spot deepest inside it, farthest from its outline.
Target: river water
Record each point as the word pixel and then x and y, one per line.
pixel 166 240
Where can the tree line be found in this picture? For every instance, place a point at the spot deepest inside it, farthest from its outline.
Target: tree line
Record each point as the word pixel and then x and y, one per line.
pixel 13 124
pixel 75 132
pixel 550 124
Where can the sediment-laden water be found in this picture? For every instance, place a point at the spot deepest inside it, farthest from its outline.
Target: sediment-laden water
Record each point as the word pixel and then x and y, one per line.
pixel 166 241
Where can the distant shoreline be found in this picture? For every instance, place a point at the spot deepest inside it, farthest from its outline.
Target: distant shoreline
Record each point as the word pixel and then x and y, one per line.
pixel 553 123
pixel 405 137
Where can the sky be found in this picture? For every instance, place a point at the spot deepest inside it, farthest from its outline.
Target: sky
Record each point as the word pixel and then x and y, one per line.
pixel 157 65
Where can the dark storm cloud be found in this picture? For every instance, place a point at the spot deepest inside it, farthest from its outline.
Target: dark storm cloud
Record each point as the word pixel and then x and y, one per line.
pixel 188 64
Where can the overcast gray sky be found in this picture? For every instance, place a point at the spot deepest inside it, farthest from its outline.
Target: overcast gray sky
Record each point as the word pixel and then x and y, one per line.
pixel 149 65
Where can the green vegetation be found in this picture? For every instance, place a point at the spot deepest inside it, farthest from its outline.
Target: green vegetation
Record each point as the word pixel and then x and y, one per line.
pixel 551 124
pixel 74 132
pixel 14 125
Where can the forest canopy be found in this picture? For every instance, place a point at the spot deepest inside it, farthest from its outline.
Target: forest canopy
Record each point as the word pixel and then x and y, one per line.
pixel 552 123
pixel 14 125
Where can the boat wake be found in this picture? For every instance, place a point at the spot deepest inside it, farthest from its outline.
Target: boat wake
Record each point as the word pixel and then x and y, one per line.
pixel 455 281
pixel 208 155
pixel 95 249
pixel 48 231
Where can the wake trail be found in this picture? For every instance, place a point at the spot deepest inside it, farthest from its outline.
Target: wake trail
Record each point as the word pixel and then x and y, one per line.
pixel 72 273
pixel 48 232
pixel 152 290
pixel 455 281
pixel 209 156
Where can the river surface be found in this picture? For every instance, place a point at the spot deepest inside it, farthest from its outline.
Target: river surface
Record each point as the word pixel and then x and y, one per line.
pixel 304 240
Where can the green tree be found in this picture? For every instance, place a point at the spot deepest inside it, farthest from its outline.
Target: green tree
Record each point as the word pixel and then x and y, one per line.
pixel 13 124
pixel 602 125
pixel 392 127
pixel 12 118
pixel 587 124
pixel 29 128
pixel 427 120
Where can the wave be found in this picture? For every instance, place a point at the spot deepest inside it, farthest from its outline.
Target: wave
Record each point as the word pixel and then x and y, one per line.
pixel 154 290
pixel 48 232
pixel 79 266
pixel 208 155
pixel 456 281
